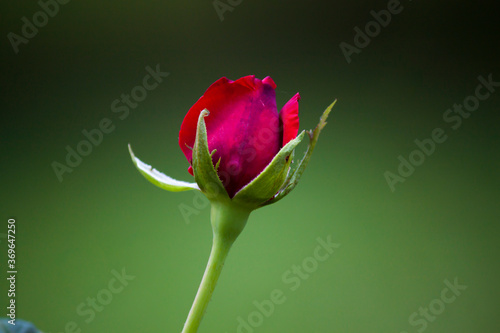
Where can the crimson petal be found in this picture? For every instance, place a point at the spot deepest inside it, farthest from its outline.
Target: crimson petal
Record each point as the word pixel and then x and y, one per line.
pixel 289 117
pixel 243 126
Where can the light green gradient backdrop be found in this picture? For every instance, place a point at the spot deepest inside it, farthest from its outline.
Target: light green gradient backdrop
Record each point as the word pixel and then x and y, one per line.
pixel 397 248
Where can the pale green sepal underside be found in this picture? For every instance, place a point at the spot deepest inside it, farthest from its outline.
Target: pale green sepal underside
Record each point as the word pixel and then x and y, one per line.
pixel 159 179
pixel 294 175
pixel 204 172
pixel 271 179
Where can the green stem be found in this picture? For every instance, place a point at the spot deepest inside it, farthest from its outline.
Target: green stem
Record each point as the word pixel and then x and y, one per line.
pixel 227 223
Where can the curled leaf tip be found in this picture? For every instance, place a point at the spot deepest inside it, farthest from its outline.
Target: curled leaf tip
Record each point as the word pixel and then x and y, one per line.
pixel 159 179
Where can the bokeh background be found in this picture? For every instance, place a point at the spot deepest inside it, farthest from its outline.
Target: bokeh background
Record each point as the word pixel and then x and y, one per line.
pixel 397 247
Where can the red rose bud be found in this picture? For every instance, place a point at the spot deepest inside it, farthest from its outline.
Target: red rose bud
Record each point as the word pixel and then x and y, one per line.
pixel 243 127
pixel 240 148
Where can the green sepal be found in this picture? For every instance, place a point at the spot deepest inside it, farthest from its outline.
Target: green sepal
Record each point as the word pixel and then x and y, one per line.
pixel 159 179
pixel 294 176
pixel 270 180
pixel 204 172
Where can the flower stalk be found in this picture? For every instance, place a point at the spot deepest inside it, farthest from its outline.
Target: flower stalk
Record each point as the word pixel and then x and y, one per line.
pixel 227 223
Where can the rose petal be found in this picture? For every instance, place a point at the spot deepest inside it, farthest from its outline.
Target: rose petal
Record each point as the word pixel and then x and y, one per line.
pixel 243 126
pixel 289 117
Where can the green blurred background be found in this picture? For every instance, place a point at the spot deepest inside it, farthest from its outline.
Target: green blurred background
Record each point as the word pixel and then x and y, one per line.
pixel 397 248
